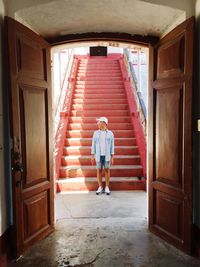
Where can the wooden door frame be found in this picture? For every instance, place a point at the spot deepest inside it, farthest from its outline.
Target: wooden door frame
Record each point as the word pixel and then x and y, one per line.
pixel 148 41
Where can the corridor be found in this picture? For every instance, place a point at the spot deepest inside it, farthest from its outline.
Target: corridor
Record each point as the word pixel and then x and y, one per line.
pixel 103 231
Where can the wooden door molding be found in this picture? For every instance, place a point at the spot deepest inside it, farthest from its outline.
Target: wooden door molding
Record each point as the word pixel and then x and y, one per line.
pixel 169 132
pixel 31 127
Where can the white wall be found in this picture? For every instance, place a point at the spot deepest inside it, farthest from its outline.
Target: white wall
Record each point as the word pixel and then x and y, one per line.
pixel 13 5
pixel 187 5
pixel 81 50
pixel 2 175
pixel 99 16
pixel 114 50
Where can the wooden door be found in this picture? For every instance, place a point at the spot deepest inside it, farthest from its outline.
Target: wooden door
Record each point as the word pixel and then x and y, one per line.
pixel 170 180
pixel 31 125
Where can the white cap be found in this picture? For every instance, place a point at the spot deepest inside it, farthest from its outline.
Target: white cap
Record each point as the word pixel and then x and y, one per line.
pixel 103 119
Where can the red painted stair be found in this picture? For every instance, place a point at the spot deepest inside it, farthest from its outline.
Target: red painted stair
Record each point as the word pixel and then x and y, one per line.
pixel 99 91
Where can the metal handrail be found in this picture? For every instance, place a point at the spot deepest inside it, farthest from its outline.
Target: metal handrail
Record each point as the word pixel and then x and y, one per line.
pixel 64 116
pixel 66 72
pixel 64 88
pixel 132 71
pixel 141 108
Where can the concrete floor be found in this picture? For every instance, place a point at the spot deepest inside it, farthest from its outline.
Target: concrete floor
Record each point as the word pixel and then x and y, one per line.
pixel 103 231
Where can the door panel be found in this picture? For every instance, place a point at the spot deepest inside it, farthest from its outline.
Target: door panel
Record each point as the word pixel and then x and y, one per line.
pixel 30 58
pixel 171 58
pixel 170 181
pixel 168 135
pixel 29 69
pixel 35 128
pixel 35 206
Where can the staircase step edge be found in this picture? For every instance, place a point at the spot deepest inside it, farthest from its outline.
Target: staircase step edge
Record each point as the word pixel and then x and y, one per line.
pixel 94 179
pixel 89 167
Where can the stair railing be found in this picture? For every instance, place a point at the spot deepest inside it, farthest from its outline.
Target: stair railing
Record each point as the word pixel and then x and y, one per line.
pixel 64 85
pixel 141 108
pixel 133 109
pixel 68 89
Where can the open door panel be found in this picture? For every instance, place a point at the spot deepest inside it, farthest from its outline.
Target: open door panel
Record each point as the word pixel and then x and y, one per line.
pixel 170 179
pixel 31 125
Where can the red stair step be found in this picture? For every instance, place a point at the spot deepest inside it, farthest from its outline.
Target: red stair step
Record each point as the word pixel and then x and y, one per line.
pixel 97 78
pixel 100 107
pixel 88 141
pixel 90 171
pixel 96 91
pixel 99 96
pixel 99 101
pixel 99 86
pixel 86 160
pixel 99 62
pixel 90 184
pixel 89 133
pixel 100 82
pixel 93 119
pixel 98 113
pixel 102 73
pixel 98 68
pixel 110 66
pixel 93 126
pixel 84 150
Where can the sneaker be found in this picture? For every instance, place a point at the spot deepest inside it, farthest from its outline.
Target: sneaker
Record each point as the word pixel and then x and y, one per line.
pixel 107 190
pixel 99 190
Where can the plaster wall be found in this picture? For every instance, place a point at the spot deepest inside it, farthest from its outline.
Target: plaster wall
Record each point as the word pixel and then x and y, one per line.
pixel 187 5
pixel 158 16
pixel 13 6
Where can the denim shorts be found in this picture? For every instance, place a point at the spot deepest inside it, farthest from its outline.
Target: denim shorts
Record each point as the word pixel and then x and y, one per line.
pixel 102 163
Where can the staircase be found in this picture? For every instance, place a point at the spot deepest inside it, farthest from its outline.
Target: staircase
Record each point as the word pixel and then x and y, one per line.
pixel 99 91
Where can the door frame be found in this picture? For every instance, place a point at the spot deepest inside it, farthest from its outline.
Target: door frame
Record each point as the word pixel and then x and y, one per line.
pixel 147 41
pixel 150 42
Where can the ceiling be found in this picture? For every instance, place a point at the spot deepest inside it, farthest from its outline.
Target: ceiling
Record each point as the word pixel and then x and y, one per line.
pixel 61 17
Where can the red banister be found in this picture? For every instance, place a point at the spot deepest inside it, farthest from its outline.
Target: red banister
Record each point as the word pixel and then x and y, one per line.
pixel 64 116
pixel 139 132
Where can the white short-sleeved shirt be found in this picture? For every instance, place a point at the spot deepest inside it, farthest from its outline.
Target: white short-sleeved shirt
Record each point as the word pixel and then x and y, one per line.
pixel 102 140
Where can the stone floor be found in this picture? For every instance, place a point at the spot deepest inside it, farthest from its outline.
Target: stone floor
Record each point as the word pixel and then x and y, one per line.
pixel 103 231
